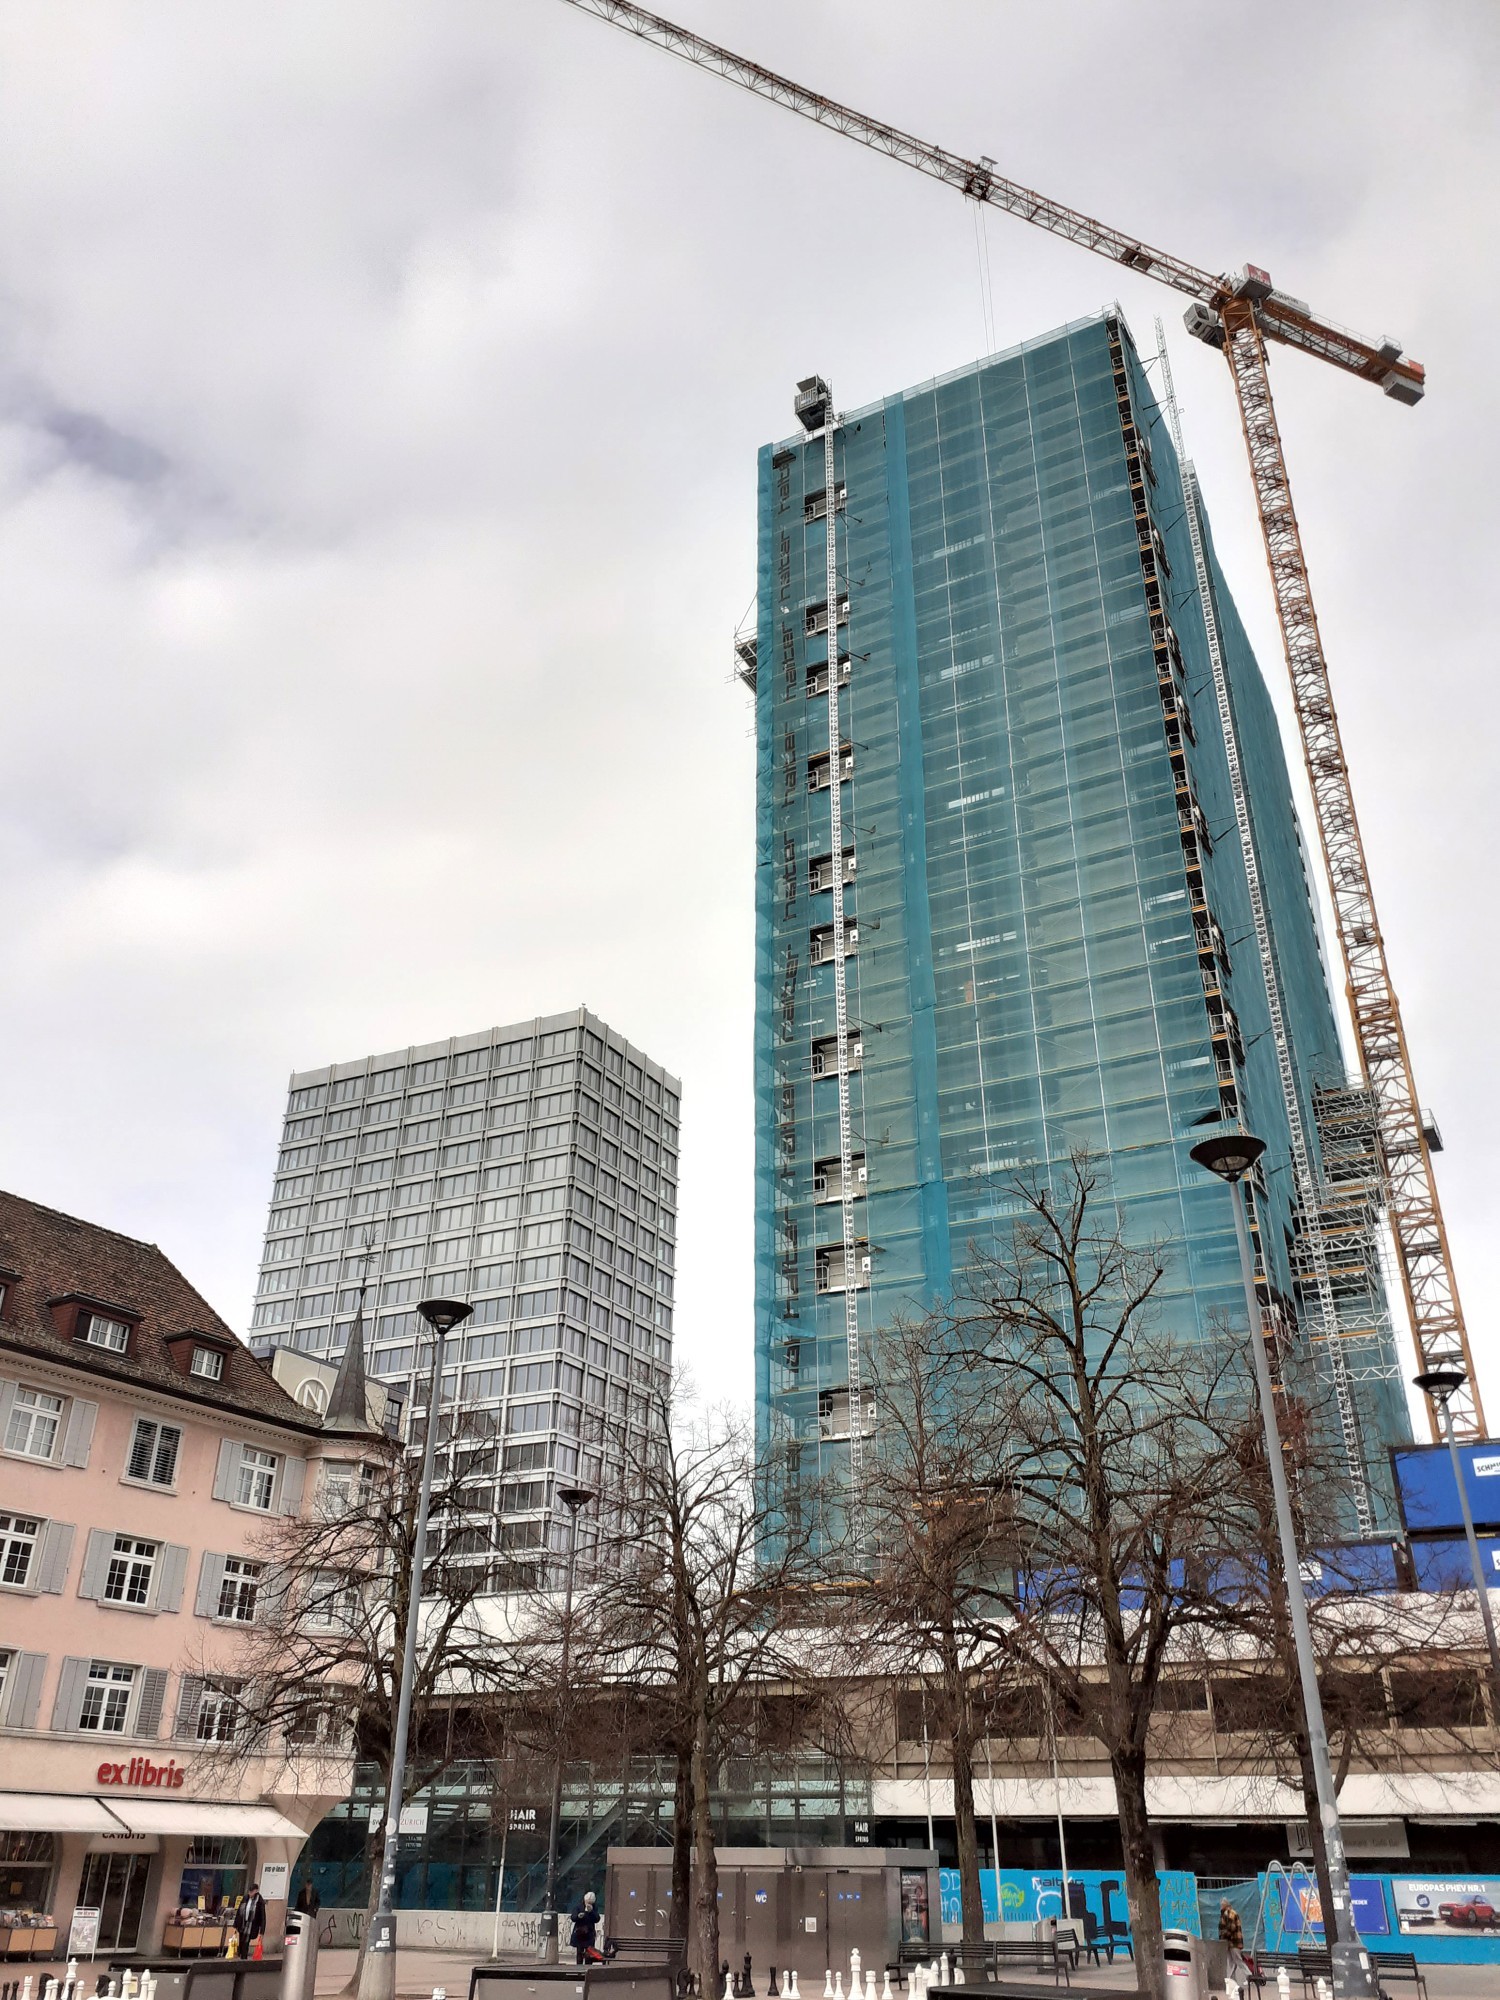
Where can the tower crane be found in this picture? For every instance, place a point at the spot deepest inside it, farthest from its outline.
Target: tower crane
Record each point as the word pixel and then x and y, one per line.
pixel 1241 313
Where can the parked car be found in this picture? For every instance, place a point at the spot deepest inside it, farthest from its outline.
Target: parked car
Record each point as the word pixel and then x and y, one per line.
pixel 1474 1913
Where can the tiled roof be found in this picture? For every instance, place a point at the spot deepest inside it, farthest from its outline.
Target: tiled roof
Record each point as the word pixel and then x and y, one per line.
pixel 54 1256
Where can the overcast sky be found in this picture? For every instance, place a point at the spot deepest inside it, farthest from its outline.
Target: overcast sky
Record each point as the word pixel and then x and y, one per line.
pixel 380 386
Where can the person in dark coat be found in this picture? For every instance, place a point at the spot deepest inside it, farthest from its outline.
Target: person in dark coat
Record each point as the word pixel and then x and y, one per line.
pixel 585 1928
pixel 250 1920
pixel 309 1902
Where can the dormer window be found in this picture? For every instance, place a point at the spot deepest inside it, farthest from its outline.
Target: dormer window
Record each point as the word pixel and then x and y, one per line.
pixel 208 1363
pixel 99 1330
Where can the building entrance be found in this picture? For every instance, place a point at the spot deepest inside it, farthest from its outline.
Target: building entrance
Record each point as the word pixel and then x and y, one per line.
pixel 115 1886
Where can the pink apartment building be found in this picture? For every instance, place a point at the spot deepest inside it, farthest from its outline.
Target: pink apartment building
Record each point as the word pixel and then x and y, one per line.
pixel 143 1451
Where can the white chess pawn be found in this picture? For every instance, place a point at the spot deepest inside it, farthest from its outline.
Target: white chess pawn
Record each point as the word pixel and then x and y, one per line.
pixel 838 1984
pixel 1320 1986
pixel 792 1991
pixel 828 1984
pixel 885 1991
pixel 1283 1983
pixel 1231 1988
pixel 945 1975
pixel 958 1972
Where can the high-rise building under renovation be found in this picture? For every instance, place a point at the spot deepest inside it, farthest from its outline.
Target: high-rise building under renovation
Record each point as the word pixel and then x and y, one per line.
pixel 1052 896
pixel 529 1170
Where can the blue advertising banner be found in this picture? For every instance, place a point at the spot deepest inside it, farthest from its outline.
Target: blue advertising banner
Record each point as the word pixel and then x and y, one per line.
pixel 1022 1895
pixel 1301 1910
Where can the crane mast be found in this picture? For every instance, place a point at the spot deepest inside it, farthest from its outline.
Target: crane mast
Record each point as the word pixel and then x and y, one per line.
pixel 1240 313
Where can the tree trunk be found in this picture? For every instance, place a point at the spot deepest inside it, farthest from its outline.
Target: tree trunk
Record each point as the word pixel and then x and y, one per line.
pixel 372 1900
pixel 706 1888
pixel 679 1920
pixel 1331 1927
pixel 961 1751
pixel 1141 1887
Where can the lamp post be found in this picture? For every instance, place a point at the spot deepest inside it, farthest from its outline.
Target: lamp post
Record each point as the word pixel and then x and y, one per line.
pixel 1231 1156
pixel 1441 1384
pixel 377 1979
pixel 573 1498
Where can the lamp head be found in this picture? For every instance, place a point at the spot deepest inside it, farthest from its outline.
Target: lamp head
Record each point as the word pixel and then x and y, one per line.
pixel 574 1497
pixel 1230 1155
pixel 442 1315
pixel 1440 1383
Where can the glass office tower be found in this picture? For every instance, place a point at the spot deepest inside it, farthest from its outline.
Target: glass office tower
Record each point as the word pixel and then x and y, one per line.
pixel 1049 921
pixel 531 1170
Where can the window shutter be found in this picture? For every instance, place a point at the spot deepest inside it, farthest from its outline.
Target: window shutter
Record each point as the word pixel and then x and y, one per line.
pixel 56 1553
pixel 153 1693
pixel 142 1448
pixel 79 1434
pixel 228 1466
pixel 210 1576
pixel 171 1569
pixel 24 1689
pixel 68 1704
pixel 189 1698
pixel 292 1472
pixel 7 1397
pixel 96 1562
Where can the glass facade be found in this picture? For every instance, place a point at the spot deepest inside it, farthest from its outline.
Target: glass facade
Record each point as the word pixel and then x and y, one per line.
pixel 1051 930
pixel 531 1170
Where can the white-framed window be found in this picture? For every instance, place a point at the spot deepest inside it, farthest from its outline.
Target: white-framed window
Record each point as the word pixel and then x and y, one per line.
pixel 333 1602
pixel 238 1590
pixel 99 1330
pixel 257 1479
pixel 132 1564
pixel 153 1453
pixel 106 1697
pixel 35 1418
pixel 346 1485
pixel 18 1539
pixel 209 1363
pixel 219 1711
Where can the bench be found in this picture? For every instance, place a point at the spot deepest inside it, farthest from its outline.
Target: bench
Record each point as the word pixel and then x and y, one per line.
pixel 1055 1955
pixel 670 1953
pixel 1315 1964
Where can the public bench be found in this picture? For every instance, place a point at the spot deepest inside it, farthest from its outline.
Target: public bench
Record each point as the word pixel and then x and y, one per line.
pixel 669 1953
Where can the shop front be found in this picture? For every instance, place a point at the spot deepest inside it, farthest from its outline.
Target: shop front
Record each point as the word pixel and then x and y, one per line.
pixel 92 1874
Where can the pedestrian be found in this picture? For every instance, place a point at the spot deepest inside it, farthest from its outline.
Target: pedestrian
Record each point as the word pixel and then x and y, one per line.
pixel 309 1902
pixel 1232 1935
pixel 585 1928
pixel 250 1922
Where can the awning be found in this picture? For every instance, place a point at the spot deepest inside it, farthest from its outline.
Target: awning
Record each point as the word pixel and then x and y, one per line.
pixel 65 1812
pixel 197 1816
pixel 54 1812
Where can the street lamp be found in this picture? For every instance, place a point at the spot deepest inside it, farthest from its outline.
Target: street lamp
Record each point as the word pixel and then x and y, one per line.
pixel 1231 1155
pixel 1441 1384
pixel 573 1498
pixel 378 1975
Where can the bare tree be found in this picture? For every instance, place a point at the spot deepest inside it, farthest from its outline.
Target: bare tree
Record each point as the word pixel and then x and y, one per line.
pixel 1113 1472
pixel 1383 1659
pixel 323 1657
pixel 936 1520
pixel 695 1599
